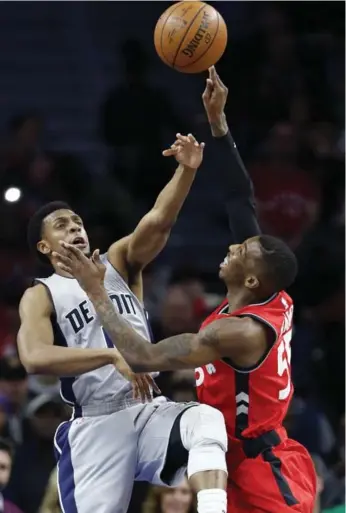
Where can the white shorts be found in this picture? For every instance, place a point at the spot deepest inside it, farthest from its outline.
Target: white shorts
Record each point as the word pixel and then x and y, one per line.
pixel 100 456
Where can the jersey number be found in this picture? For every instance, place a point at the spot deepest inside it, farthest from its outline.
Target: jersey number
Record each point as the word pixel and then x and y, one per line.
pixel 284 362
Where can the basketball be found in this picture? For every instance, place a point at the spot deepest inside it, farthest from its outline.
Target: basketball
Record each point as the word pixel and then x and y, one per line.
pixel 190 36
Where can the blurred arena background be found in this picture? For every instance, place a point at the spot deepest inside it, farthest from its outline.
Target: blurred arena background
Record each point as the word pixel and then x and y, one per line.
pixel 86 108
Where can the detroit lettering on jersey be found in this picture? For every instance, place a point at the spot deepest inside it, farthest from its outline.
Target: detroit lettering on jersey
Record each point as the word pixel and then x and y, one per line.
pixel 75 324
pixel 80 316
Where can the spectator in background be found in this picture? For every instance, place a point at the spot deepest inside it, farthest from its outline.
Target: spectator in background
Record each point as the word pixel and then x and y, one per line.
pixel 34 460
pixel 50 502
pixel 177 314
pixel 22 145
pixel 170 500
pixel 183 386
pixel 6 456
pixel 326 486
pixel 288 198
pixel 14 390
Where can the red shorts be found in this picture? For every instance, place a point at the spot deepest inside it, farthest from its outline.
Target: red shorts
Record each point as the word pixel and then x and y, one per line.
pixel 281 480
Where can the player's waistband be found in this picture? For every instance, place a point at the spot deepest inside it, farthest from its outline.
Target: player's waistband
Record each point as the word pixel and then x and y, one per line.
pixel 253 447
pixel 104 408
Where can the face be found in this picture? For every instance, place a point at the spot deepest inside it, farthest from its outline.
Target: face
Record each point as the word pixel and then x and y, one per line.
pixel 177 500
pixel 5 468
pixel 241 264
pixel 63 225
pixel 46 420
pixel 15 390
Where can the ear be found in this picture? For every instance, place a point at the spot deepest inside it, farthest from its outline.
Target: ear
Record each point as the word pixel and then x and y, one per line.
pixel 251 282
pixel 43 247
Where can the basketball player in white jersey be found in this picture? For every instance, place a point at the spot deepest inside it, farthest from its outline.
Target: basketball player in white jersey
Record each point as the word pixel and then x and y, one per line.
pixel 112 438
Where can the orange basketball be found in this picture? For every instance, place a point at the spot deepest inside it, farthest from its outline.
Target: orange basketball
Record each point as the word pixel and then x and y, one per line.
pixel 190 36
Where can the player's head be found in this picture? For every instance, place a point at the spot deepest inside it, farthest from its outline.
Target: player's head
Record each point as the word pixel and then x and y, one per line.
pixel 263 263
pixel 52 223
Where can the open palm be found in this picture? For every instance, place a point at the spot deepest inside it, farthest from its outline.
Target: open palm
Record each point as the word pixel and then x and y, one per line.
pixel 187 151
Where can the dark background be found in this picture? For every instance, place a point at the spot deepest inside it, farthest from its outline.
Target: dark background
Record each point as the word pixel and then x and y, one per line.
pixel 87 107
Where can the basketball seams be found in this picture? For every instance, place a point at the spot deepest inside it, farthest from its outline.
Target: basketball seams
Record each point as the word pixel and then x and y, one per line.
pixel 186 31
pixel 162 34
pixel 208 47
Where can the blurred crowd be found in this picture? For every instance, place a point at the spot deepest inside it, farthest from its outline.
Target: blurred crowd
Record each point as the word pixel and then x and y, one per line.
pixel 286 110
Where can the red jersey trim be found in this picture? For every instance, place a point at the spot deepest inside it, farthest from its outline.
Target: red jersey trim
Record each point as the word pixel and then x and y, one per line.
pixel 247 370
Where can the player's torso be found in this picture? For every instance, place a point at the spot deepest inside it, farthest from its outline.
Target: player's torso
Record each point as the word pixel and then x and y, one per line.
pixel 75 324
pixel 256 400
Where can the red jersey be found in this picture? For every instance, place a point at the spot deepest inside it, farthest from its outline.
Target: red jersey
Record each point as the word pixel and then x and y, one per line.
pixel 253 401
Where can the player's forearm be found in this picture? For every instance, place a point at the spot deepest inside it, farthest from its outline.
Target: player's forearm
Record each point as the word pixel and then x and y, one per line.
pixel 65 361
pixel 237 184
pixel 170 354
pixel 233 173
pixel 173 196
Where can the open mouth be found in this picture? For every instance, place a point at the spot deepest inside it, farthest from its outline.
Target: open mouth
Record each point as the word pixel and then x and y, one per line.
pixel 79 241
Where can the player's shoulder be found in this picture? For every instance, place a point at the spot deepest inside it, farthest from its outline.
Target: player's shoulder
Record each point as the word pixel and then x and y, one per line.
pixel 36 299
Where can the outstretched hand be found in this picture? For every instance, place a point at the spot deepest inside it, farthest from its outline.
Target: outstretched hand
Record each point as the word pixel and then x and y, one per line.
pixel 214 96
pixel 187 151
pixel 89 272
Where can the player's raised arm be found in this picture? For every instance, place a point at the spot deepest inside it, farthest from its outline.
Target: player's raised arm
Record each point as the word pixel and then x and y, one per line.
pixel 131 254
pixel 228 337
pixel 36 346
pixel 232 173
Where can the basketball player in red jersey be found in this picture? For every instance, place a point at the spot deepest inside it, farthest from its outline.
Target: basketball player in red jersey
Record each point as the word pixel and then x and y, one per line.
pixel 242 352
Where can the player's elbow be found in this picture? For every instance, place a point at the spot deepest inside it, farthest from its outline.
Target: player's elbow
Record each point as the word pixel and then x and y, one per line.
pixel 31 365
pixel 32 361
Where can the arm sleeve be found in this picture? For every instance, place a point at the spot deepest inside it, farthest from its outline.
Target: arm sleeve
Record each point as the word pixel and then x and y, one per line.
pixel 238 187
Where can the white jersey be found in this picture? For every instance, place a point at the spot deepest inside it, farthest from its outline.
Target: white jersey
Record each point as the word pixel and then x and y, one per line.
pixel 76 324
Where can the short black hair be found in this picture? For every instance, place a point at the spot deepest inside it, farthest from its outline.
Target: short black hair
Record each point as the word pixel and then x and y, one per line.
pixel 280 262
pixel 7 446
pixel 34 233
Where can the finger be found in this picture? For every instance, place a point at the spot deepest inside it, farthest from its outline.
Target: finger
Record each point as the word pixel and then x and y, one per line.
pixel 169 153
pixel 96 257
pixel 144 389
pixel 208 90
pixel 135 390
pixel 76 252
pixel 148 386
pixel 212 74
pixel 152 383
pixel 182 138
pixel 155 387
pixel 202 146
pixel 65 259
pixel 64 268
pixel 221 84
pixel 139 388
pixel 192 139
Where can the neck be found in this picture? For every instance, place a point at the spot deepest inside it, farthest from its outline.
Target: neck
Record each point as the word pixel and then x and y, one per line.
pixel 239 297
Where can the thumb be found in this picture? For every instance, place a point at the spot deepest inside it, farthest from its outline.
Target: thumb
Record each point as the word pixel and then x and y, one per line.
pixel 96 257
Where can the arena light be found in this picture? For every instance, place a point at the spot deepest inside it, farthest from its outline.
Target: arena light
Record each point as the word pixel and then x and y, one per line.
pixel 12 194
